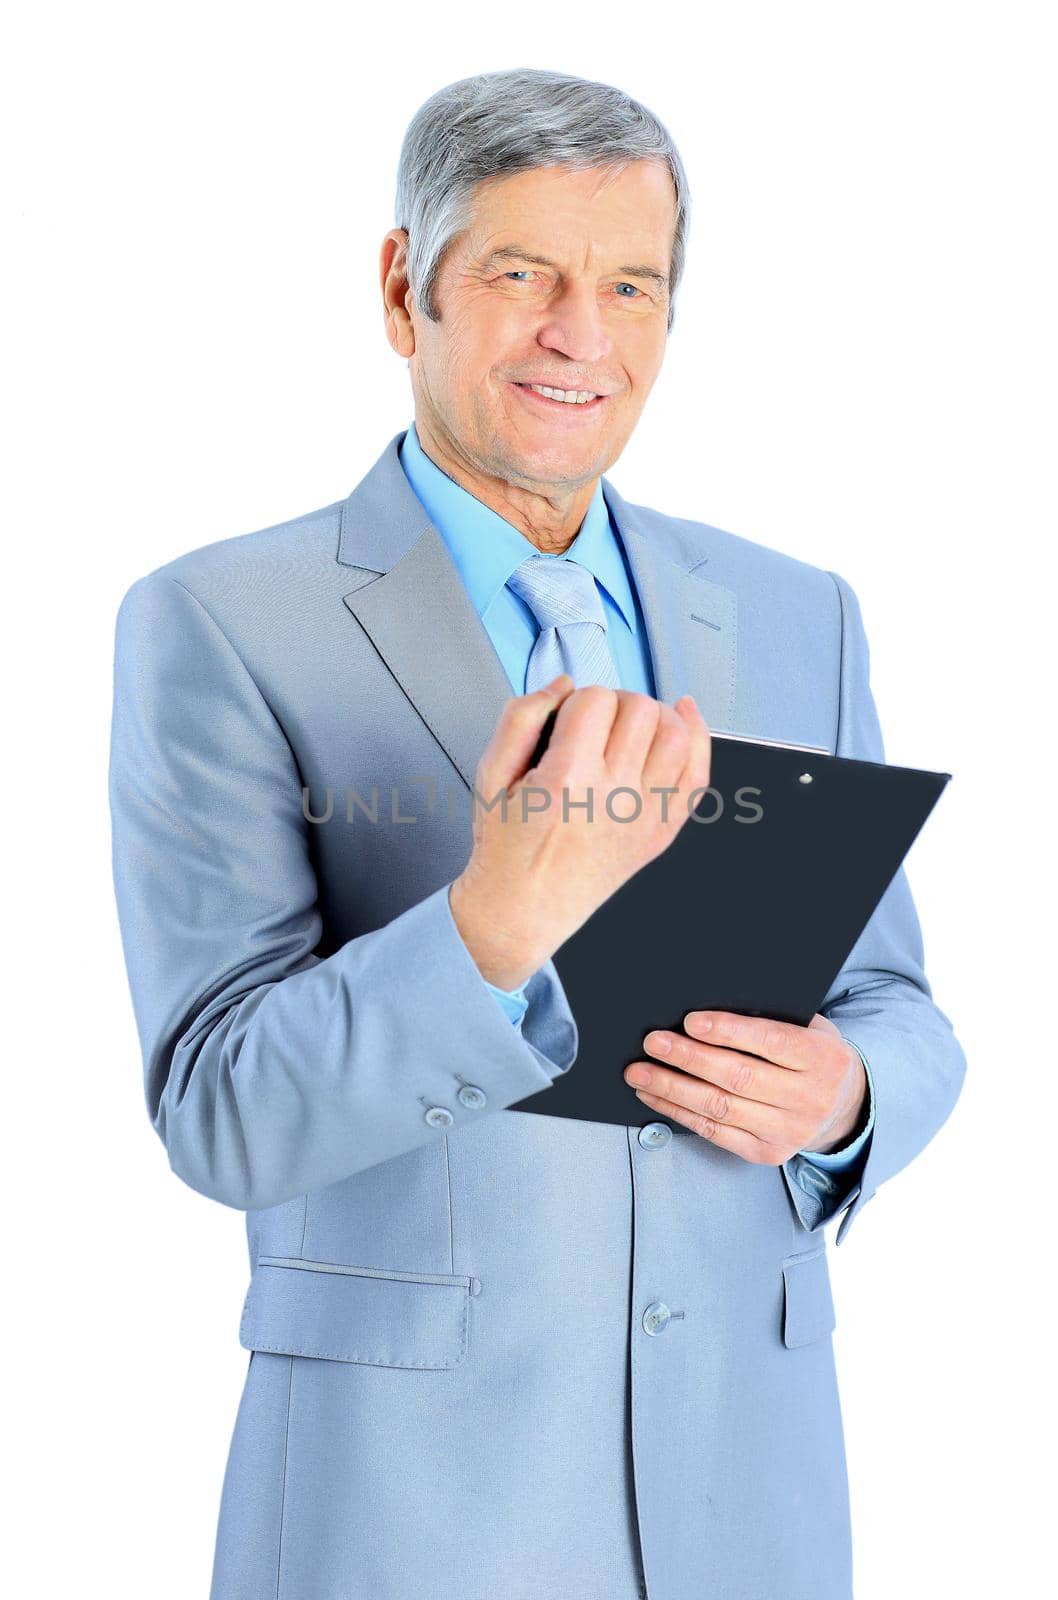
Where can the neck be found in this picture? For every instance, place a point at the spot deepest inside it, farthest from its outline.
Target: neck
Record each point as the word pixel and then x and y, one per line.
pixel 550 517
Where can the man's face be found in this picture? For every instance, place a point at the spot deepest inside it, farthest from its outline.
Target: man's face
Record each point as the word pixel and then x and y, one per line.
pixel 560 279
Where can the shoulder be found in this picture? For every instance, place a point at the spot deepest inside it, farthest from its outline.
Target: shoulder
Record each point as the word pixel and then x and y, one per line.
pixel 750 567
pixel 265 562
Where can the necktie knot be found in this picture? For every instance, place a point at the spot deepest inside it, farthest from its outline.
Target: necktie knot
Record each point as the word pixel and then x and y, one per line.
pixel 558 591
pixel 564 599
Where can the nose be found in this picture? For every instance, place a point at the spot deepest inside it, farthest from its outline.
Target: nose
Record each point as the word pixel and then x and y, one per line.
pixel 574 325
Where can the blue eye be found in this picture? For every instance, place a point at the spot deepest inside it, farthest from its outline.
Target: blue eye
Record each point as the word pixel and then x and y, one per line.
pixel 523 273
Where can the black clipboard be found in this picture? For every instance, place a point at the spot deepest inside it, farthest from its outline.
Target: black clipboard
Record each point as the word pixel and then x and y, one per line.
pixel 755 913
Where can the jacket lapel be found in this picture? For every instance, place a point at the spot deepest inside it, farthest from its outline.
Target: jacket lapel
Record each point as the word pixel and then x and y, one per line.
pixel 410 600
pixel 691 623
pixel 421 621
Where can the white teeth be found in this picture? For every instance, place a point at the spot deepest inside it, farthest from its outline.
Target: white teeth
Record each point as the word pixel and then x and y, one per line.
pixel 571 397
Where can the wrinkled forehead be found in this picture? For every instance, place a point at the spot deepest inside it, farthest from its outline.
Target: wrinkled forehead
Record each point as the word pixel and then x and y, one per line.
pixel 561 217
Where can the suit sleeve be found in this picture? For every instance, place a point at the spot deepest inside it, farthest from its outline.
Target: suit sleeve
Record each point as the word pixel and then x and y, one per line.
pixel 268 1071
pixel 881 999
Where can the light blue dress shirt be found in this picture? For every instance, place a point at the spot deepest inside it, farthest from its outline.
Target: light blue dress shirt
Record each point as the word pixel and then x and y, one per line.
pixel 486 549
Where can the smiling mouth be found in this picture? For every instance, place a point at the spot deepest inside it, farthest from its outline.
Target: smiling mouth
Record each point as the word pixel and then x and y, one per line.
pixel 558 400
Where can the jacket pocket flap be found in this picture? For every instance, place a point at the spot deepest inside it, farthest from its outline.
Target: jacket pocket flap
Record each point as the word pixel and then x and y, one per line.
pixel 809 1304
pixel 363 1314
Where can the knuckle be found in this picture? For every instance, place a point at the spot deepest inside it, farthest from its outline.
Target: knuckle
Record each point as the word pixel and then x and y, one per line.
pixel 644 716
pixel 667 754
pixel 520 708
pixel 743 1078
pixel 772 1040
pixel 716 1104
pixel 672 726
pixel 645 706
pixel 681 1051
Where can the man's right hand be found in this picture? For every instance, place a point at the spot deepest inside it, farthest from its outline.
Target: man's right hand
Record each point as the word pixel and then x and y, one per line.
pixel 536 874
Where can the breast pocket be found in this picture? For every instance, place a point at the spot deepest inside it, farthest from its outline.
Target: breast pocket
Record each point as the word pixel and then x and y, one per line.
pixel 808 1304
pixel 362 1314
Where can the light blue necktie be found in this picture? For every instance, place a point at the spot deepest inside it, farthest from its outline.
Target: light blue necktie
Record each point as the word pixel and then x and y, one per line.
pixel 566 603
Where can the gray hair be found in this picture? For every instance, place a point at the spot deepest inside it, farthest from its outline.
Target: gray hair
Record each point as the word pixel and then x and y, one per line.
pixel 498 123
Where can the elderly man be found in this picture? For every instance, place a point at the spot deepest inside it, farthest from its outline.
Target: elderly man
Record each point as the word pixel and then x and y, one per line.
pixel 495 1354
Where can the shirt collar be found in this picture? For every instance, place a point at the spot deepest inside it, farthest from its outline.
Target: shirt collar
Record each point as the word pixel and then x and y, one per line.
pixel 486 548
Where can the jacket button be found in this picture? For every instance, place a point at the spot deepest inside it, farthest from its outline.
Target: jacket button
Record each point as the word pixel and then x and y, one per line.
pixel 470 1095
pixel 656 1317
pixel 439 1117
pixel 654 1135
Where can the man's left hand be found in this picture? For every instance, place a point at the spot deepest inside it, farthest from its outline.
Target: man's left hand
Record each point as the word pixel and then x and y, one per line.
pixel 762 1089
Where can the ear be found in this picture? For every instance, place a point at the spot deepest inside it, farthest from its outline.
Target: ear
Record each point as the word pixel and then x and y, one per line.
pixel 396 292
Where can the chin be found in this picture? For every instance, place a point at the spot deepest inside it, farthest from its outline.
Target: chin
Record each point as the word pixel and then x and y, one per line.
pixel 555 463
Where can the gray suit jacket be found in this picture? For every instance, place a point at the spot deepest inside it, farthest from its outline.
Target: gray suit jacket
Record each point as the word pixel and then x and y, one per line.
pixel 458 1381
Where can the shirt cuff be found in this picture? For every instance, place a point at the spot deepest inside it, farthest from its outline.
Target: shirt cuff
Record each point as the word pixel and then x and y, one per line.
pixel 838 1160
pixel 514 1001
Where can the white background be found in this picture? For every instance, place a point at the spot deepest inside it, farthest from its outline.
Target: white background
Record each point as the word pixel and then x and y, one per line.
pixel 862 374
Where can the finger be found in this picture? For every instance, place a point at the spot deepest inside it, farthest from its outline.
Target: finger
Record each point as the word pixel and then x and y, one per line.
pixel 696 774
pixel 739 1074
pixel 582 727
pixel 633 732
pixel 786 1044
pixel 769 1124
pixel 737 1140
pixel 667 756
pixel 516 734
pixel 709 1099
